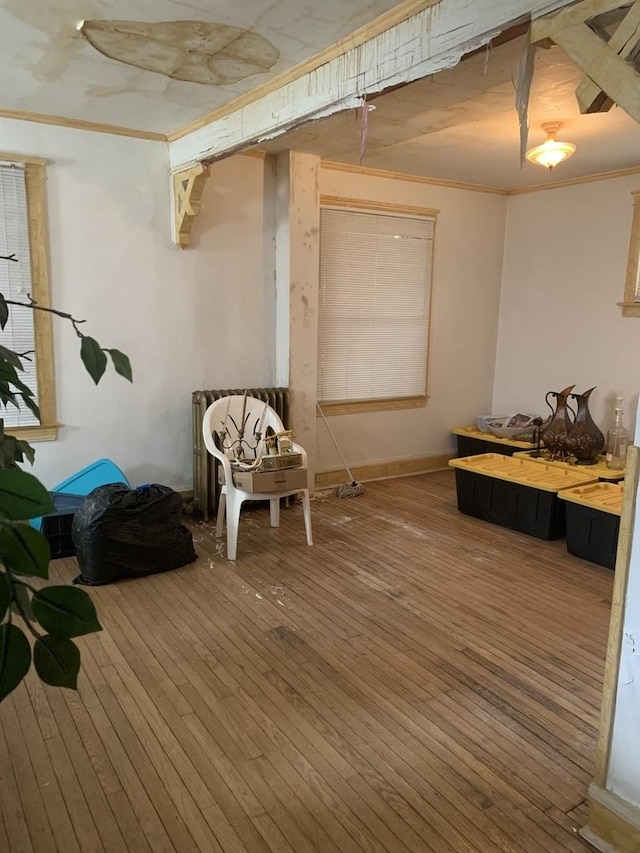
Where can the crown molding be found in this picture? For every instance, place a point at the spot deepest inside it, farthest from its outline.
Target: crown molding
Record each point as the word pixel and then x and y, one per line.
pixel 572 182
pixel 462 185
pixel 80 124
pixel 416 179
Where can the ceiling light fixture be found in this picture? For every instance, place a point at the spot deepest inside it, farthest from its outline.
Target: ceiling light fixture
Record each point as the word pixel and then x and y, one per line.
pixel 551 152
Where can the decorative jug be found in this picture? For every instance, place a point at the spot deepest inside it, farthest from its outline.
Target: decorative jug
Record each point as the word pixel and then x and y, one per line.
pixel 584 441
pixel 555 434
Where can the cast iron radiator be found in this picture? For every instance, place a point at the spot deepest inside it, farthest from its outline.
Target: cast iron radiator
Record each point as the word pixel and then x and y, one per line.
pixel 205 476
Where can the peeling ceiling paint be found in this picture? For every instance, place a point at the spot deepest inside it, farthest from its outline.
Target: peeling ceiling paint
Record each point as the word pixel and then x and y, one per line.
pixel 461 124
pixel 195 51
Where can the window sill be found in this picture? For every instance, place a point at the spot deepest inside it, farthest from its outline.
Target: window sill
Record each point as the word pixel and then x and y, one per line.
pixel 347 407
pixel 630 309
pixel 43 432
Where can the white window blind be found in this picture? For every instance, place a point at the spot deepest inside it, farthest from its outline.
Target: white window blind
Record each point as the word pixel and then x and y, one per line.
pixel 15 282
pixel 375 293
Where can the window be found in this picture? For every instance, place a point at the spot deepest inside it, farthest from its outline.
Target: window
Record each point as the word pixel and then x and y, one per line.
pixel 23 238
pixel 374 301
pixel 631 304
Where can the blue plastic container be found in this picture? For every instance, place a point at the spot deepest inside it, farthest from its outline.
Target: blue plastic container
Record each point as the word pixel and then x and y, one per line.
pixel 99 473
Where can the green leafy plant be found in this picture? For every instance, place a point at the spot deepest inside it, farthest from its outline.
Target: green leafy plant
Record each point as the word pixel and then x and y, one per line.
pixel 52 615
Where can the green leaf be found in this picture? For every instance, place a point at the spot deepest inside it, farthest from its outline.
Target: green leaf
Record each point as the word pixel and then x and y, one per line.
pixel 121 363
pixel 9 452
pixel 5 594
pixel 8 372
pixel 57 661
pixel 11 356
pixel 93 358
pixel 7 395
pixel 23 496
pixel 65 611
pixel 4 312
pixel 24 550
pixel 22 602
pixel 15 658
pixel 32 405
pixel 23 447
pixel 12 450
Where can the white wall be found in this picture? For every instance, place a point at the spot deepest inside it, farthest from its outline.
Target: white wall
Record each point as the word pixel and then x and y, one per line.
pixel 564 271
pixel 189 319
pixel 466 291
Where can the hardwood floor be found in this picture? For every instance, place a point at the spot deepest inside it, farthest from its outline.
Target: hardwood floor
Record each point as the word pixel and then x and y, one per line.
pixel 416 681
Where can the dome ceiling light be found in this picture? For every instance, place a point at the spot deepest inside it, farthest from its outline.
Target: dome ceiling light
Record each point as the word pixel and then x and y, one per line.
pixel 551 152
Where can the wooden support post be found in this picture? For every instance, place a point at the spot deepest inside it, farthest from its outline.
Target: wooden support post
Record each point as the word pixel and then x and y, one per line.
pixel 612 78
pixel 188 187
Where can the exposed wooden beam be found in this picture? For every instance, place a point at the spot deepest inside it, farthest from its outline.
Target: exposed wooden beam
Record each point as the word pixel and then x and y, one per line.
pixel 624 42
pixel 188 186
pixel 431 40
pixel 611 75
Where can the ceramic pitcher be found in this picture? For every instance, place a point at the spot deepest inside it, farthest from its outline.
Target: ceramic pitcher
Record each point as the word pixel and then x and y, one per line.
pixel 584 440
pixel 555 434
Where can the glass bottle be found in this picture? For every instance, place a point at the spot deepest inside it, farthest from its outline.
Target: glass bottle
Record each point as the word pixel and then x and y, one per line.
pixel 617 440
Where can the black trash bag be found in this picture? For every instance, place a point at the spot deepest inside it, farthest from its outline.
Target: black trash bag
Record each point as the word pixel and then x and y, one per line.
pixel 123 533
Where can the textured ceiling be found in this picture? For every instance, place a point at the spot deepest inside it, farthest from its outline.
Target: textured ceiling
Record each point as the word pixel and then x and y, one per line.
pixel 48 66
pixel 462 125
pixel 459 125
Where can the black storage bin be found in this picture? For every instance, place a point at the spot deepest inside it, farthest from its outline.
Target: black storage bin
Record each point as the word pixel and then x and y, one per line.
pixel 470 446
pixel 56 526
pixel 592 534
pixel 532 511
pixel 122 532
pixel 593 522
pixel 471 441
pixel 515 493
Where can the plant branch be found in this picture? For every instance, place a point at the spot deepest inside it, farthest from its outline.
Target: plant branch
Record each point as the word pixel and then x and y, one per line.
pixel 34 305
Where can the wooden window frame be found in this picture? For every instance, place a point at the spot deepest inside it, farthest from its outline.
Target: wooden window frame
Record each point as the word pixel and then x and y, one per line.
pixel 631 301
pixel 35 176
pixel 348 407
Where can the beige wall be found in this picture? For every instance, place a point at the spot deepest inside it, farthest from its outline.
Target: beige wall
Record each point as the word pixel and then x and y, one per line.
pixel 560 324
pixel 189 319
pixel 466 291
pixel 206 316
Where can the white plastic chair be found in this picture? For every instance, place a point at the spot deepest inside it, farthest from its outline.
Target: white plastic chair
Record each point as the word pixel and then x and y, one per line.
pixel 242 418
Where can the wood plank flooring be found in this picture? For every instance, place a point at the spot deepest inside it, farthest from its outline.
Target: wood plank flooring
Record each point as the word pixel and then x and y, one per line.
pixel 416 681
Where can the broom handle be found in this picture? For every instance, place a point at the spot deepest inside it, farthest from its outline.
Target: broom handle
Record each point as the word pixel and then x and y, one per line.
pixel 336 445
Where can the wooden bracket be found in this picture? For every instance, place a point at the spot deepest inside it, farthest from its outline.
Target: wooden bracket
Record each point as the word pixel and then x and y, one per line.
pixel 606 61
pixel 188 187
